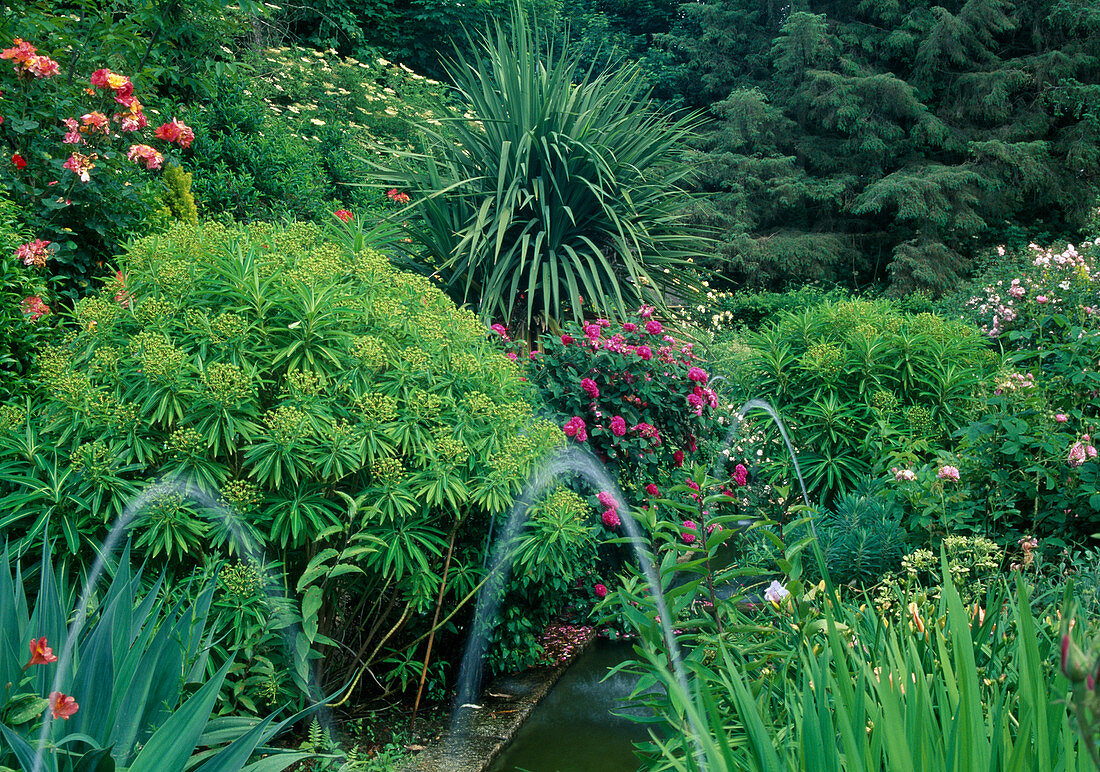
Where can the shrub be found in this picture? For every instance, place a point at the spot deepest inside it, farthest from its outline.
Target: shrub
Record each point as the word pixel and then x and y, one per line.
pixel 539 194
pixel 24 301
pixel 862 537
pixel 1031 439
pixel 349 412
pixel 864 386
pixel 82 160
pixel 634 394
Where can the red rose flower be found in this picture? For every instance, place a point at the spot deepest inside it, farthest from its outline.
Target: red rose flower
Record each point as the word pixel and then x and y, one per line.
pixel 18 160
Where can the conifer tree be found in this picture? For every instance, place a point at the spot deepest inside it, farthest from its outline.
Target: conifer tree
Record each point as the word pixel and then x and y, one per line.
pixel 880 141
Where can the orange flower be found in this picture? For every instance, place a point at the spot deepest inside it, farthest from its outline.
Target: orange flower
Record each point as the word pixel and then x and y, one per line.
pixel 918 623
pixel 62 705
pixel 41 654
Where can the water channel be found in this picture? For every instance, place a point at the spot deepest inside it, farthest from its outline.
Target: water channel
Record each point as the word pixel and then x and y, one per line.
pixel 574 728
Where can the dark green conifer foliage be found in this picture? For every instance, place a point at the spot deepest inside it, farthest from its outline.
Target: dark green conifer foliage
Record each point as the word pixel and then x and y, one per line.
pixel 860 142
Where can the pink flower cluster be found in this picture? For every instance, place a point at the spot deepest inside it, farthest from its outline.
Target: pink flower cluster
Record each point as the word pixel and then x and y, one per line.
pixel 176 132
pixel 610 515
pixel 28 61
pixel 147 155
pixel 34 308
pixel 34 253
pixel 1056 276
pixel 575 428
pixel 948 473
pixel 1081 451
pixel 903 475
pixel 561 641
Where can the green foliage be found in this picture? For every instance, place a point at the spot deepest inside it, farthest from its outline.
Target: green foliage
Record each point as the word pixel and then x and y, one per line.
pixel 541 197
pixel 862 143
pixel 131 662
pixel 250 166
pixel 20 331
pixel 1030 440
pixel 349 412
pixel 177 194
pixel 814 682
pixel 863 385
pixel 862 538
pixel 555 550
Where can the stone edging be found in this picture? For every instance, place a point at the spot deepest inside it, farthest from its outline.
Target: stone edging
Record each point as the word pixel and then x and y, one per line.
pixel 505 705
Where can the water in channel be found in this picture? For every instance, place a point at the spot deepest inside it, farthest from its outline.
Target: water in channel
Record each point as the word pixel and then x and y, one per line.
pixel 573 729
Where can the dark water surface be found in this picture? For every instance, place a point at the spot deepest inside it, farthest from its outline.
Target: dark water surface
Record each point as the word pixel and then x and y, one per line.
pixel 572 729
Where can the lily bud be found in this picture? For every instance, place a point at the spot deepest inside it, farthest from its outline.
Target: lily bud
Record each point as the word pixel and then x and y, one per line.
pixel 1073 661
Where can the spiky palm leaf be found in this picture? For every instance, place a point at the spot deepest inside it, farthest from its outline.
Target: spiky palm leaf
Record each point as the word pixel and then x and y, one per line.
pixel 541 197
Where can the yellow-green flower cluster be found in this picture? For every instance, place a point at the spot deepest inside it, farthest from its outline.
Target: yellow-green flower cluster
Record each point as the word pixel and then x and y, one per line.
pixel 388 470
pixel 96 314
pixel 240 581
pixel 185 442
pixel 91 460
pixel 226 327
pixel 303 383
pixel 154 311
pixel 286 424
pixel 161 362
pixel 451 452
pixel 371 352
pixel 241 496
pixel 226 384
pixel 376 408
pixel 11 418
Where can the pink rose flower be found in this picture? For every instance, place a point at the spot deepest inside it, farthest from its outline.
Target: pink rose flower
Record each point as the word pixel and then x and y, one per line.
pixel 653 327
pixel 590 387
pixel 651 489
pixel 610 518
pixel 574 427
pixel 601 591
pixel 1061 417
pixel 618 426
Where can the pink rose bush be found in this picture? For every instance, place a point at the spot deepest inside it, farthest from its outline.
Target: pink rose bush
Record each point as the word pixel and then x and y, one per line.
pixel 632 393
pixel 81 154
pixel 1041 311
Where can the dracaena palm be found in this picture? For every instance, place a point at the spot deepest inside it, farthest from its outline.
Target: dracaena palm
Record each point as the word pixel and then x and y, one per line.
pixel 542 196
